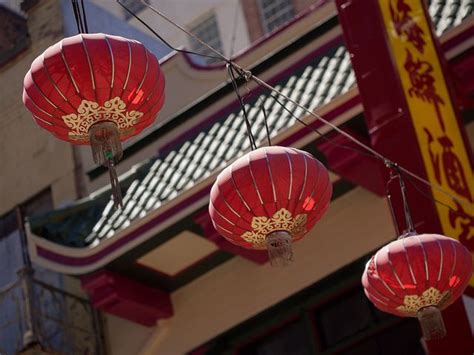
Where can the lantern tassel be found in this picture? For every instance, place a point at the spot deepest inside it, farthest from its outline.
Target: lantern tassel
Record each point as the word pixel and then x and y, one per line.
pixel 431 322
pixel 279 248
pixel 107 151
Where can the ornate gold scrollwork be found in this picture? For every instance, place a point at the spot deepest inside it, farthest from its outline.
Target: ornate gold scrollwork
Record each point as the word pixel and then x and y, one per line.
pixel 90 112
pixel 430 297
pixel 281 220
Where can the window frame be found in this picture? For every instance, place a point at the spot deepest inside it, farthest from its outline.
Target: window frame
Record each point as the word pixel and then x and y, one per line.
pixel 267 21
pixel 216 42
pixel 302 307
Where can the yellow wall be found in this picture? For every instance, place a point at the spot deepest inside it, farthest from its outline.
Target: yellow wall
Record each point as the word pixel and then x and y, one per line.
pixel 31 158
pixel 355 224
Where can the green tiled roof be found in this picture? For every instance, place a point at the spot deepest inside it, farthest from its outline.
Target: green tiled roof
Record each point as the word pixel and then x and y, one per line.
pixel 162 178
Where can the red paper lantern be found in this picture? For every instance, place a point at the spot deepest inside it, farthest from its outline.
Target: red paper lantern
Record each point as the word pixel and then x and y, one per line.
pixel 269 198
pixel 95 89
pixel 418 276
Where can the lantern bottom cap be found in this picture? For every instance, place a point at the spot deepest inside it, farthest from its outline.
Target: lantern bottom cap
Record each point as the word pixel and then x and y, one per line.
pixel 431 321
pixel 279 248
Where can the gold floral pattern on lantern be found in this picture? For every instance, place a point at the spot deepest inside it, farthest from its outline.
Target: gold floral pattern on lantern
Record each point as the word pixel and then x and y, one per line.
pixel 90 112
pixel 430 297
pixel 282 220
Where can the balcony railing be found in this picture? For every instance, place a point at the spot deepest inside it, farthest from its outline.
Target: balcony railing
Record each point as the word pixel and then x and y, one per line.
pixel 36 315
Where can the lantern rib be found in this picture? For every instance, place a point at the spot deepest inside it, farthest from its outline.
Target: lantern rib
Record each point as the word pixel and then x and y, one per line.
pixel 157 83
pixel 44 96
pixel 441 260
pixel 305 177
pixel 91 70
pixel 38 107
pixel 413 278
pixel 144 74
pixel 291 177
pixel 271 178
pixel 129 67
pixel 455 259
pixel 425 257
pixel 379 300
pixel 394 271
pixel 222 228
pixel 315 186
pixel 254 182
pixel 113 65
pixel 227 204
pixel 373 287
pixel 68 69
pixel 40 119
pixel 238 191
pixel 381 278
pixel 46 70
pixel 328 184
pixel 221 215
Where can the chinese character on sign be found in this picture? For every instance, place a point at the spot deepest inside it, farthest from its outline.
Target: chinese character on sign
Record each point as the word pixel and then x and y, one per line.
pixel 448 163
pixel 423 83
pixel 405 24
pixel 460 218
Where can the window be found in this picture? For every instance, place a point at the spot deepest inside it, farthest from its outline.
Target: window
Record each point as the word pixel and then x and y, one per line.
pixel 208 31
pixel 344 318
pixel 275 13
pixel 134 6
pixel 290 339
pixel 333 316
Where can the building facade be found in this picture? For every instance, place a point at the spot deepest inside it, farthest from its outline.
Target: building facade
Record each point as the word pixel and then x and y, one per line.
pixel 169 284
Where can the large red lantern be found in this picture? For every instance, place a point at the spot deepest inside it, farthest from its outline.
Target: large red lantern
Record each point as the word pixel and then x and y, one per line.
pixel 269 198
pixel 418 276
pixel 95 89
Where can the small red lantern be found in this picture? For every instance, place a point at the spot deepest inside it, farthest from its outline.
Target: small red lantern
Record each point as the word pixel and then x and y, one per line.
pixel 95 89
pixel 269 198
pixel 418 276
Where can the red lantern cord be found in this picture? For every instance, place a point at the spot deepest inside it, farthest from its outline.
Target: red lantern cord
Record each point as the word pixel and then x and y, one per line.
pixel 95 89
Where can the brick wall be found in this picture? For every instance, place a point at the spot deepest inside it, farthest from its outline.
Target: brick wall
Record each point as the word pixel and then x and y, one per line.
pixel 13 36
pixel 31 159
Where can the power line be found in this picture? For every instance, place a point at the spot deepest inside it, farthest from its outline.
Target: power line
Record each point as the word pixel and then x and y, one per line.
pixel 248 75
pixel 160 37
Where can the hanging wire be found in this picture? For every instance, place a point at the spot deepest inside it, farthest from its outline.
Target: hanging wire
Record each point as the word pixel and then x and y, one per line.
pixel 321 135
pixel 265 120
pixel 230 70
pixel 427 195
pixel 81 20
pixel 77 16
pixel 249 76
pixel 84 17
pixel 161 38
pixel 190 34
pixel 396 175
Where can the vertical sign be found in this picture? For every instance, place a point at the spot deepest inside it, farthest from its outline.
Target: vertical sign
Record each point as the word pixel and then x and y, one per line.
pixel 434 116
